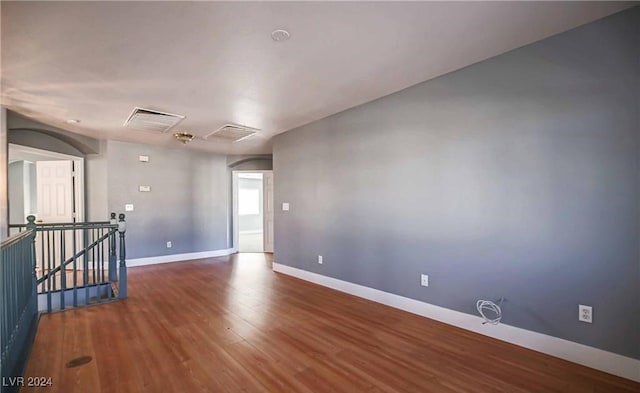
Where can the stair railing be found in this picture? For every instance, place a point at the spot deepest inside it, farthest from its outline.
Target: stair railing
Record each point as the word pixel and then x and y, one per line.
pixel 76 263
pixel 18 303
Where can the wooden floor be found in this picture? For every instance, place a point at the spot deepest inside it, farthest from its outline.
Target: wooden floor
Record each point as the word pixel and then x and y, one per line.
pixel 233 325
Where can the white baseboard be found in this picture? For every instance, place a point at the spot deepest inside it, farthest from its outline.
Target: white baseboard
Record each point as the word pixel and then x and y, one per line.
pixel 599 359
pixel 178 257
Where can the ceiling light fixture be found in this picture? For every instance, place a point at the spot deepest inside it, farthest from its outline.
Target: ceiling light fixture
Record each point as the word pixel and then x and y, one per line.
pixel 280 35
pixel 183 137
pixel 73 121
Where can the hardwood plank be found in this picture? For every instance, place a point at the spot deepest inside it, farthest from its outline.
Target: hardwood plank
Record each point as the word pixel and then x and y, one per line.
pixel 232 325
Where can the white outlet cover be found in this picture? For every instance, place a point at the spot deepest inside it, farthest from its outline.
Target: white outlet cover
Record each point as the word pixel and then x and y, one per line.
pixel 144 188
pixel 320 259
pixel 285 206
pixel 169 245
pixel 128 207
pixel 424 280
pixel 143 158
pixel 585 313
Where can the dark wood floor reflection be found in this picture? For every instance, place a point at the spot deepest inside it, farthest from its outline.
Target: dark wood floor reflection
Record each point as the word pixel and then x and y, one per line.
pixel 233 325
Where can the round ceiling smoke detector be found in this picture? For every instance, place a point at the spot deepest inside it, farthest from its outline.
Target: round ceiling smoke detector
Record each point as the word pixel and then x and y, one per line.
pixel 280 35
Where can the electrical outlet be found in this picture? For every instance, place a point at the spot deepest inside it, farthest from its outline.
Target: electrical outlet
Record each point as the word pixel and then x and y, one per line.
pixel 320 259
pixel 128 207
pixel 424 280
pixel 169 245
pixel 585 313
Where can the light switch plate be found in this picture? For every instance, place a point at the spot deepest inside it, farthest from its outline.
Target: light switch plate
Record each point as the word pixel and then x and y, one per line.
pixel 144 188
pixel 285 206
pixel 128 207
pixel 143 158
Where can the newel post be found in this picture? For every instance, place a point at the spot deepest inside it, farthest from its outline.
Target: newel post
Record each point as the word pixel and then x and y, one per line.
pixel 113 259
pixel 31 225
pixel 122 283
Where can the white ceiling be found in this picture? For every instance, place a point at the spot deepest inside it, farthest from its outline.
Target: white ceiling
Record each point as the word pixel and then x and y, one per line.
pixel 216 63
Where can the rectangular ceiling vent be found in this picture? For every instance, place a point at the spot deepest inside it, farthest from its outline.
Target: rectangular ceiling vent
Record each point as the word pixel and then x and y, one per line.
pixel 150 120
pixel 232 132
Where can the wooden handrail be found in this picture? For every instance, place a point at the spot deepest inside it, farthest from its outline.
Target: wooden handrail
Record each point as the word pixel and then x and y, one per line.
pixel 16 238
pixel 88 224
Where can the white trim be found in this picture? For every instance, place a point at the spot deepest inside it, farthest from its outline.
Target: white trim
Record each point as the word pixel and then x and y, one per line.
pixel 178 257
pixel 599 359
pixel 78 185
pixel 45 153
pixel 268 212
pixel 234 209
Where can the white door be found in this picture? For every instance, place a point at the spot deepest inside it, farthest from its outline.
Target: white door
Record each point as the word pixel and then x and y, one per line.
pixel 54 193
pixel 267 200
pixel 54 185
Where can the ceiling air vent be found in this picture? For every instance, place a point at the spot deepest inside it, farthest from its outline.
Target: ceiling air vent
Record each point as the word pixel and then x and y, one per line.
pixel 150 120
pixel 232 133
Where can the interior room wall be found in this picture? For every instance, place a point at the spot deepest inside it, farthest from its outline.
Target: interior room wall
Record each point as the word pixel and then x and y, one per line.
pixel 17 192
pixel 516 177
pixel 30 132
pixel 187 204
pixel 261 162
pixel 96 185
pixel 42 141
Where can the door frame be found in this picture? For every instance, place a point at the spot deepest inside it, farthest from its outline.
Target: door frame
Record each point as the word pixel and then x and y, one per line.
pixel 78 169
pixel 234 215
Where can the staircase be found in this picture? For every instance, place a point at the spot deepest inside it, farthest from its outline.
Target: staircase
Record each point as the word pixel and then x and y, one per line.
pixel 76 264
pixel 53 267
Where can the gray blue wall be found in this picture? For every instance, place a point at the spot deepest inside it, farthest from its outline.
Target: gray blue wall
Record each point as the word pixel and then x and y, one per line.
pixel 261 162
pixel 187 205
pixel 517 177
pixel 190 199
pixel 28 132
pixel 96 185
pixel 22 191
pixel 16 183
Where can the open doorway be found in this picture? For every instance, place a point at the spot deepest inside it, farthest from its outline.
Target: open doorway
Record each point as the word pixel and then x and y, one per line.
pixel 45 184
pixel 250 213
pixel 253 211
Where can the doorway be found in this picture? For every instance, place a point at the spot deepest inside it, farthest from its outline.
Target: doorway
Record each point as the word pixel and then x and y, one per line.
pixel 49 186
pixel 45 184
pixel 253 211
